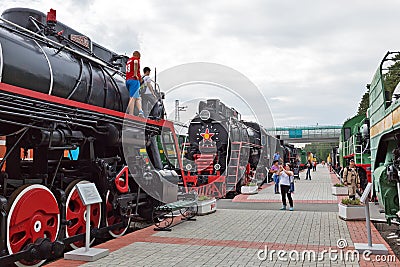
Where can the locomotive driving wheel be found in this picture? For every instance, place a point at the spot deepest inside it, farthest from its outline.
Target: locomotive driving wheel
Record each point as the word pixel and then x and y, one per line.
pixel 76 214
pixel 113 216
pixel 33 213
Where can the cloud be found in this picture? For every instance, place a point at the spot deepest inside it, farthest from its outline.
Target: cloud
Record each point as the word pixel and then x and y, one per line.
pixel 310 59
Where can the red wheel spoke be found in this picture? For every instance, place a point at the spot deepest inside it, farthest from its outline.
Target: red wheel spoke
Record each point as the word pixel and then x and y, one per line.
pixel 113 218
pixel 75 224
pixel 76 213
pixel 19 240
pixel 33 214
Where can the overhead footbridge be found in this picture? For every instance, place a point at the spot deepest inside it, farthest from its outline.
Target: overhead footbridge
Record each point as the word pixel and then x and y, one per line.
pixel 307 134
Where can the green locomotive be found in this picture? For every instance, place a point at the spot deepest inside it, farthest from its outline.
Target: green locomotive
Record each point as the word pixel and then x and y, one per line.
pixel 354 144
pixel 384 116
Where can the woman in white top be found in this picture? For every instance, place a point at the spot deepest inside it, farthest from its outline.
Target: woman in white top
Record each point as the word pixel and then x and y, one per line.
pixel 286 177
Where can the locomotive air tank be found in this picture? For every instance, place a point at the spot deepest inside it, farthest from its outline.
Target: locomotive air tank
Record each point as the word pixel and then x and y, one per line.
pixel 47 64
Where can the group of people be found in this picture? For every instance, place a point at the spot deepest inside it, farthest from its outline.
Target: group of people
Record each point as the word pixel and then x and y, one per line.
pixel 284 180
pixel 141 92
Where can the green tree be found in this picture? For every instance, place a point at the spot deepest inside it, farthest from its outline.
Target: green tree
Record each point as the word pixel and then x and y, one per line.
pixel 320 150
pixel 392 77
pixel 364 104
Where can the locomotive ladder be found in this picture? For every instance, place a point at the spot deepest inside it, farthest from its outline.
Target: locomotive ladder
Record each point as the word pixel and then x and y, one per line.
pixel 233 167
pixel 358 155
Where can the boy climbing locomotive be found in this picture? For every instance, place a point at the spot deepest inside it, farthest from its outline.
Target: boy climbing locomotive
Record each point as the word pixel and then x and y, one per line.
pixel 133 80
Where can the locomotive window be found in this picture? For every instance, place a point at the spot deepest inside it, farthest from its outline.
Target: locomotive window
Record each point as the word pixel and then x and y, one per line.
pixel 169 148
pixel 263 141
pixel 347 133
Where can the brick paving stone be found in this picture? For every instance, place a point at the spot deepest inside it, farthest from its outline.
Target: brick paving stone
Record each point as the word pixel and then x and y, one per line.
pixel 233 237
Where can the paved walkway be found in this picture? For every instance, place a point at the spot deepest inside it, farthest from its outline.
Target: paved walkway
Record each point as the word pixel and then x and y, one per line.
pixel 236 237
pixel 317 190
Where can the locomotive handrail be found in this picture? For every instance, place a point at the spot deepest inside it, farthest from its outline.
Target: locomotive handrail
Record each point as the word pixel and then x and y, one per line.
pixel 96 60
pixel 35 23
pixel 78 81
pixel 50 68
pixel 1 62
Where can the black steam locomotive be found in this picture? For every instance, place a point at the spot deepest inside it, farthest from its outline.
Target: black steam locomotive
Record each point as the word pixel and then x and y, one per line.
pixel 223 151
pixel 62 100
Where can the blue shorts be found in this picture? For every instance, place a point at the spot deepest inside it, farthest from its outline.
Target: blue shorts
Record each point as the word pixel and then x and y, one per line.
pixel 133 87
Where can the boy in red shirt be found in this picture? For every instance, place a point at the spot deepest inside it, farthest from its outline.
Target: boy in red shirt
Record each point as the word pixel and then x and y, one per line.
pixel 133 79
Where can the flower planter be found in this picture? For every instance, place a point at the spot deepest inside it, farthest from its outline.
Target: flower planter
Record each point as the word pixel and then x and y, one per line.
pixel 340 191
pixel 351 212
pixel 207 206
pixel 249 190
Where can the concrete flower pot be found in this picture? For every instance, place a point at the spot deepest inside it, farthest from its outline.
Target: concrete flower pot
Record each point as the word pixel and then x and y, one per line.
pixel 207 206
pixel 351 212
pixel 249 190
pixel 340 191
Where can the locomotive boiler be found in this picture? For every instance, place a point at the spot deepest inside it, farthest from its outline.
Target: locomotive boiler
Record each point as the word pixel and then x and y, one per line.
pixel 384 107
pixel 223 150
pixel 62 102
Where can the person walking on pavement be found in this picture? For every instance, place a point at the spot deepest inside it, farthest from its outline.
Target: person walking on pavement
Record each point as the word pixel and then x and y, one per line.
pixel 274 169
pixel 309 166
pixel 277 156
pixel 286 177
pixel 314 166
pixel 351 179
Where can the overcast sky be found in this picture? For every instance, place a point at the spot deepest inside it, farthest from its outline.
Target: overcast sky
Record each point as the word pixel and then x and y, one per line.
pixel 311 59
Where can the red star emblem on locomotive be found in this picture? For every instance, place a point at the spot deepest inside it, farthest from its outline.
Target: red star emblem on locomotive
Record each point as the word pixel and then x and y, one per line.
pixel 207 135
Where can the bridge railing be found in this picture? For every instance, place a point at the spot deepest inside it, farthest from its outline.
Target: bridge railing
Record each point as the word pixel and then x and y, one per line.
pixel 307 132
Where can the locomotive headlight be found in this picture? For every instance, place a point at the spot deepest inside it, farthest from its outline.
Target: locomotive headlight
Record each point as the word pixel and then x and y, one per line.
pixel 188 167
pixel 204 115
pixel 217 167
pixel 148 176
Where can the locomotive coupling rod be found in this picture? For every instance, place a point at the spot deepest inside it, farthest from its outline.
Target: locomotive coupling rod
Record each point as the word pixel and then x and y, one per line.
pixel 94 233
pixel 10 259
pixel 42 249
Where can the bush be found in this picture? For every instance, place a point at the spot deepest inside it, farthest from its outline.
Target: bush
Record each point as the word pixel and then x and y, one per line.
pixel 202 198
pixel 338 185
pixel 347 201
